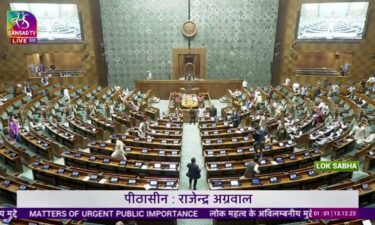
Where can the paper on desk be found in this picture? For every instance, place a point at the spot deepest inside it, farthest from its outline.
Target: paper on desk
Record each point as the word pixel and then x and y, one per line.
pixel 102 181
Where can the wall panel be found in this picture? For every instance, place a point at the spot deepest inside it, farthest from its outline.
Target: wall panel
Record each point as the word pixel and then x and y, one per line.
pixel 140 35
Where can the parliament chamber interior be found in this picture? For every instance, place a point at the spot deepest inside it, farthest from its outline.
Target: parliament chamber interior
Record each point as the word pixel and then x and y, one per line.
pixel 126 94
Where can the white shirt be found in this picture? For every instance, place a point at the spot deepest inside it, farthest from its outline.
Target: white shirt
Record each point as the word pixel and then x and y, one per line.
pixel 244 84
pixel 30 94
pixel 142 129
pixel 44 81
pixel 287 81
pixel 201 112
pixel 321 105
pixel 295 86
pixel 335 88
pixel 149 75
pixel 359 133
pixel 111 109
pixel 325 109
pixel 351 89
pixel 258 97
pixel 263 122
pixel 3 100
pixel 371 80
pixel 66 94
pixel 119 150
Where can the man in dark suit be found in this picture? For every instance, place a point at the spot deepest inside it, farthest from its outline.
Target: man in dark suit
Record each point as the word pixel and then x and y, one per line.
pixel 194 173
pixel 193 115
pixel 236 119
pixel 213 111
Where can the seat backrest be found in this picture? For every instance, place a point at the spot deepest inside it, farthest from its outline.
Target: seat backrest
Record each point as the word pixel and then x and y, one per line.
pixel 4 116
pixel 9 109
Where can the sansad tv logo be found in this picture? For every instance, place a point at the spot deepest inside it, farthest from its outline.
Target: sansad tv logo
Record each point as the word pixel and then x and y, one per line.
pixel 22 27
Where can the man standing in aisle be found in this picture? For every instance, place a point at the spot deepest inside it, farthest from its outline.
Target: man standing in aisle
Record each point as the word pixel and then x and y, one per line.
pixel 194 173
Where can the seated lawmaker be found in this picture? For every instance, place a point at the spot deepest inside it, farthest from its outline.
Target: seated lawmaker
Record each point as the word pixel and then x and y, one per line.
pixel 351 91
pixel 296 87
pixel 359 132
pixel 28 90
pixel 66 94
pixel 44 80
pixel 35 124
pixel 318 117
pixel 371 80
pixel 2 100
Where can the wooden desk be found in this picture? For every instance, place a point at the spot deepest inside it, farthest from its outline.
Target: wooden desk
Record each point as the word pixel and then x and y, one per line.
pixel 214 126
pixel 167 134
pixel 166 126
pixel 9 188
pixel 305 182
pixel 233 168
pixel 243 113
pixel 115 165
pixel 66 136
pixel 139 115
pixel 11 157
pixel 369 162
pixel 124 118
pixel 162 88
pixel 153 112
pixel 106 124
pixel 232 132
pixel 366 196
pixel 87 130
pixel 167 155
pixel 233 142
pixel 247 152
pixel 342 146
pixel 148 142
pixel 16 148
pixel 93 180
pixel 166 119
pixel 210 120
pixel 41 146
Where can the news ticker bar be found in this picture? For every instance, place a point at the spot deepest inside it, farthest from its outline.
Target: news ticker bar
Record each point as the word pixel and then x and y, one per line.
pixel 9 214
pixel 187 199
